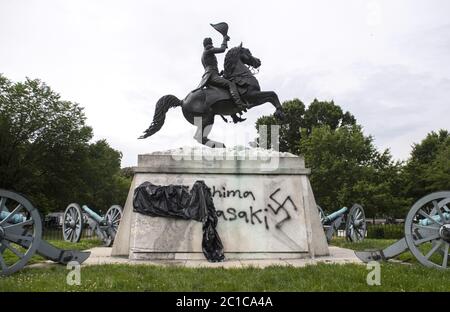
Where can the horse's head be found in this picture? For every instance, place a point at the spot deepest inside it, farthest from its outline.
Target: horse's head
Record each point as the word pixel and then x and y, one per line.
pixel 239 55
pixel 247 57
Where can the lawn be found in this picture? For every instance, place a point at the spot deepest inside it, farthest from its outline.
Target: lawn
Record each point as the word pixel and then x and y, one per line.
pixel 322 277
pixel 10 258
pixel 371 244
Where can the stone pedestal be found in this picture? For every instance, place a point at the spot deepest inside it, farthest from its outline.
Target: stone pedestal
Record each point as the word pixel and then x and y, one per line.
pixel 264 202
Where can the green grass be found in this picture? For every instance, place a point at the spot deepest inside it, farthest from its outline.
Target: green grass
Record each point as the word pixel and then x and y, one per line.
pixel 10 258
pixel 368 243
pixel 372 244
pixel 321 277
pixel 82 245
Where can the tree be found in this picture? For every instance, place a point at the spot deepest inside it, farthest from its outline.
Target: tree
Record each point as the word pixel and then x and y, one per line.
pixel 297 118
pixel 437 174
pixel 102 181
pixel 127 172
pixel 320 113
pixel 428 168
pixel 44 147
pixel 347 168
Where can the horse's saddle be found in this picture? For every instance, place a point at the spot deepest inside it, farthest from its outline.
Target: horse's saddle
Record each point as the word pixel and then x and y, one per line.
pixel 211 95
pixel 215 94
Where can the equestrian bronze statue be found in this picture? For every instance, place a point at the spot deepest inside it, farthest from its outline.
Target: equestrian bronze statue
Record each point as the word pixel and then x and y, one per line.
pixel 229 93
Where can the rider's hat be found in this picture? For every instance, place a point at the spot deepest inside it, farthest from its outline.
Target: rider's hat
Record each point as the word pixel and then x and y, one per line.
pixel 221 27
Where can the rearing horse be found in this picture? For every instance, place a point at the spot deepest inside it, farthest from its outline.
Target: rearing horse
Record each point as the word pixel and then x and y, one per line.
pixel 208 102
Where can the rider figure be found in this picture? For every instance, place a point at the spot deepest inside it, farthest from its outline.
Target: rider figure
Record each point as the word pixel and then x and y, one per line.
pixel 212 76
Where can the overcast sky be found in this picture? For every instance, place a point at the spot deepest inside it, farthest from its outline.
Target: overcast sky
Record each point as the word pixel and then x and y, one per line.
pixel 387 62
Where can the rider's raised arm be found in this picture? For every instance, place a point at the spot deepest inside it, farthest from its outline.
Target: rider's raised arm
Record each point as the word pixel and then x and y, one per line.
pixel 222 48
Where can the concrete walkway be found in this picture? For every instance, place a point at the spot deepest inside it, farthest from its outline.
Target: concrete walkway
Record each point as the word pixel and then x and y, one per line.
pixel 102 255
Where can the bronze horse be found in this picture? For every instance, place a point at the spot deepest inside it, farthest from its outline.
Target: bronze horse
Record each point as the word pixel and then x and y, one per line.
pixel 204 104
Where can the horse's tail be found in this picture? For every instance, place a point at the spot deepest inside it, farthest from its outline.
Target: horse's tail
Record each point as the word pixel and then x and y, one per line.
pixel 162 106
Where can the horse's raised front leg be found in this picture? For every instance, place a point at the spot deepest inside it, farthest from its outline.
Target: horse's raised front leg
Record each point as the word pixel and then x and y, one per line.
pixel 204 126
pixel 260 97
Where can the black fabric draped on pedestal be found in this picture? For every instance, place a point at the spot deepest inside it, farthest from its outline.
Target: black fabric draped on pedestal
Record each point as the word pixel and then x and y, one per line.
pixel 176 201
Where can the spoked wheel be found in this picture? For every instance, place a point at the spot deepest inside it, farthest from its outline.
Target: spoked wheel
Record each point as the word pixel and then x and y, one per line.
pixel 20 231
pixel 427 230
pixel 73 223
pixel 112 219
pixel 356 227
pixel 321 214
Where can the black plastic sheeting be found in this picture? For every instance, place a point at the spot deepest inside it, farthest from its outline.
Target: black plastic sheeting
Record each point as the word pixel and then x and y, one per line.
pixel 176 201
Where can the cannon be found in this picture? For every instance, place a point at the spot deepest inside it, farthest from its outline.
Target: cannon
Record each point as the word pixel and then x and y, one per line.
pixel 105 227
pixel 355 222
pixel 21 235
pixel 427 233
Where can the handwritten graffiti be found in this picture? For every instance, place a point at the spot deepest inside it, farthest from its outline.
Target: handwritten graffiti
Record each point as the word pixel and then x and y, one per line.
pixel 251 216
pixel 275 209
pixel 223 193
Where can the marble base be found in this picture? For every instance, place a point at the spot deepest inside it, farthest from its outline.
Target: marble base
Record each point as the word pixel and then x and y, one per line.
pixel 265 206
pixel 145 255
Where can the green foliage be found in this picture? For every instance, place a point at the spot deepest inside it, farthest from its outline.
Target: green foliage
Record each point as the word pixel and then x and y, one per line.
pixel 289 128
pixel 298 117
pixel 322 113
pixel 437 174
pixel 127 172
pixel 45 151
pixel 102 183
pixel 428 169
pixel 347 168
pixel 386 231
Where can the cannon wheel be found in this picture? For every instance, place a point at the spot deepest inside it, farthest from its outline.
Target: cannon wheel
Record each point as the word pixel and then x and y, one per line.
pixel 356 227
pixel 322 215
pixel 18 240
pixel 112 218
pixel 73 223
pixel 429 243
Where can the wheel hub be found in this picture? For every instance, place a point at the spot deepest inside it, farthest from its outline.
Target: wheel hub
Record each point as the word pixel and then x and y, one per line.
pixel 444 232
pixel 357 223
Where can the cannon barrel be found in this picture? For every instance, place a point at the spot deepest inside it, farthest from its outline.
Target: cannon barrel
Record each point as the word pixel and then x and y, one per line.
pixel 336 214
pixel 436 218
pixel 17 218
pixel 92 214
